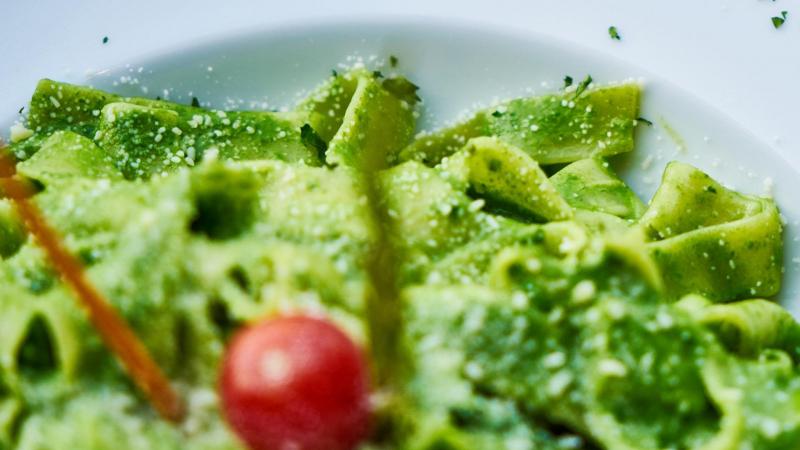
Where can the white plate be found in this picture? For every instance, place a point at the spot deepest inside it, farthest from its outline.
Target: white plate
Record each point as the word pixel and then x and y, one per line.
pixel 458 67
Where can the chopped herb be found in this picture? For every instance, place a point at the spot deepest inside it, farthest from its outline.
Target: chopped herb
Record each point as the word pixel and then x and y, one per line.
pixel 312 140
pixel 105 39
pixel 158 97
pixel 778 21
pixel 402 89
pixel 644 121
pixel 582 86
pixel 20 110
pixel 393 61
pixel 334 73
pixel 195 102
pixel 567 81
pixel 377 74
pixel 711 189
pixel 612 31
pixel 497 114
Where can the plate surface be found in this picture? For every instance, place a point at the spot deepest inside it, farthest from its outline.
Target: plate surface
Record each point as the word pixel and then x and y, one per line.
pixel 459 68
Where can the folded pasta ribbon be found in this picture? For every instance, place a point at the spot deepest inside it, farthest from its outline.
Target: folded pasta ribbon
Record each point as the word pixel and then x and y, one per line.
pixel 114 331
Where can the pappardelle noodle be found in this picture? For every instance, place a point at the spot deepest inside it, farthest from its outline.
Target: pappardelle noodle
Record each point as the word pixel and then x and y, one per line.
pixel 545 306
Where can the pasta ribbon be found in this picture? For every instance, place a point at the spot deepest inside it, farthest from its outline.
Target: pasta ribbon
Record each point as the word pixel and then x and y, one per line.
pixel 712 241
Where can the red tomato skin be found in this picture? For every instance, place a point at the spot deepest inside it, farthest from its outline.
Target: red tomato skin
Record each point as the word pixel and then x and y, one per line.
pixel 296 383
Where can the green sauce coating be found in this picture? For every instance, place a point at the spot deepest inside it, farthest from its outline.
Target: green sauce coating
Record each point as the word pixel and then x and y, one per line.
pixel 605 324
pixel 712 241
pixel 552 129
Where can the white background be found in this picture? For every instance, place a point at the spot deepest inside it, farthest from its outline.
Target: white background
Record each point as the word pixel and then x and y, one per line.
pixel 725 52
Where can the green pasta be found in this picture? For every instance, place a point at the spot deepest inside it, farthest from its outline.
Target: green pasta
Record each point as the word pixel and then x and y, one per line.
pixel 590 184
pixel 507 178
pixel 541 308
pixel 712 241
pixel 375 125
pixel 551 129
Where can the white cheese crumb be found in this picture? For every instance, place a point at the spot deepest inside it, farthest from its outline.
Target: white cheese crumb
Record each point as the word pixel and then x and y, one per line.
pixel 519 300
pixel 768 184
pixel 476 205
pixel 664 319
pixel 568 245
pixel 473 370
pixel 518 443
pixel 555 315
pixel 569 441
pixel 583 291
pixel 19 132
pixel 616 309
pixel 533 265
pixel 554 360
pixel 212 154
pixel 612 367
pixel 647 162
pixel 770 428
pixel 559 383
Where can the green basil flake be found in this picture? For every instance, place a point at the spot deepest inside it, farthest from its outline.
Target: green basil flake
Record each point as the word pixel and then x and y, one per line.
pixel 612 31
pixel 312 140
pixel 393 61
pixel 582 86
pixel 567 81
pixel 402 89
pixel 195 102
pixel 105 39
pixel 778 21
pixel 644 121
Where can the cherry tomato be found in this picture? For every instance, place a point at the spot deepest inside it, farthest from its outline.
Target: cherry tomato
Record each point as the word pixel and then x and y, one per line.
pixel 296 383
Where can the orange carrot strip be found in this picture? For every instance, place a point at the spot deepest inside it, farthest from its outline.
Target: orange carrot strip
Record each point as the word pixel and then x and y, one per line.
pixel 116 333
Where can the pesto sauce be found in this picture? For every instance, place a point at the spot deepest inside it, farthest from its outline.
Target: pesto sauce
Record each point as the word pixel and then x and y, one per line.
pixel 581 320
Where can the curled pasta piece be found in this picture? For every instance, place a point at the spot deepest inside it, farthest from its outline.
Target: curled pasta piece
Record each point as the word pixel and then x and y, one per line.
pixel 510 180
pixel 552 129
pixel 145 137
pixel 712 241
pixel 591 185
pixel 376 124
pixel 748 327
pixel 67 154
pixel 56 328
